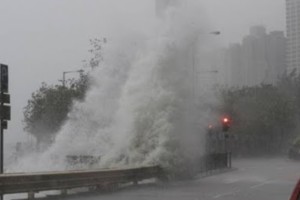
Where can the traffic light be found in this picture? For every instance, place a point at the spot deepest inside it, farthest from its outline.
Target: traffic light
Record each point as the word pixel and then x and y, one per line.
pixel 4 78
pixel 4 124
pixel 225 124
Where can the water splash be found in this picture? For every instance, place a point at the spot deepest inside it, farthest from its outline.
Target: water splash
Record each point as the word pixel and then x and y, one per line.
pixel 141 109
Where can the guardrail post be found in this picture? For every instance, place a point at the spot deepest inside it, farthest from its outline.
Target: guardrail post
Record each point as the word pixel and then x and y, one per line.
pixel 64 192
pixel 229 159
pixel 30 195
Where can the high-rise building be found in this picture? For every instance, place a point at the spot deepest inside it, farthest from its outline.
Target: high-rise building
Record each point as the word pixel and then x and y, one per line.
pixel 263 56
pixel 293 35
pixel 259 58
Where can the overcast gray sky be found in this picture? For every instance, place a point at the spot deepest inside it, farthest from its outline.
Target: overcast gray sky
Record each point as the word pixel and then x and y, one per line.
pixel 39 39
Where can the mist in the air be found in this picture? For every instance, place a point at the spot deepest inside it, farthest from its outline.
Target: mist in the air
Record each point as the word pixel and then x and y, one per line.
pixel 146 104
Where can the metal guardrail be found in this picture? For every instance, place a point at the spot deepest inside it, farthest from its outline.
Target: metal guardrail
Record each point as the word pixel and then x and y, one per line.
pixel 36 182
pixel 101 179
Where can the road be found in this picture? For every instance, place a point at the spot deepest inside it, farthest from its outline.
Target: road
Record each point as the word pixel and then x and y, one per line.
pixel 253 179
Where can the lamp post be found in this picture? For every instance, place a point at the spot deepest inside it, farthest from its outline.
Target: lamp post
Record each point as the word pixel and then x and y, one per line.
pixel 194 73
pixel 68 72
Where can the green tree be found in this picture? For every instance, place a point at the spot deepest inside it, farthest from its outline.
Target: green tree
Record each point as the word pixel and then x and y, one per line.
pixel 49 106
pixel 264 118
pixel 96 53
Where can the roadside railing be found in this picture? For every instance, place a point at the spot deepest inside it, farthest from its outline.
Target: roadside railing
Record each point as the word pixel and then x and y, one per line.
pixel 37 182
pixel 32 183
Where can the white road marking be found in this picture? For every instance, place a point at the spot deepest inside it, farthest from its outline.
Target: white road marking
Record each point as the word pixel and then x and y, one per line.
pixel 260 184
pixel 237 191
pixel 223 195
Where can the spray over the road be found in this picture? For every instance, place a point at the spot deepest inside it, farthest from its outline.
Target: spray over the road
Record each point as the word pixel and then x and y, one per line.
pixel 142 108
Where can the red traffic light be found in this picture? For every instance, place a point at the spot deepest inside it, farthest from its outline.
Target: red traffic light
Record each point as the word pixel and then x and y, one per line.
pixel 225 124
pixel 225 120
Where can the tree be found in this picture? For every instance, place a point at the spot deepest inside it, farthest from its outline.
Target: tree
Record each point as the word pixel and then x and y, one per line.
pixel 49 106
pixel 96 52
pixel 264 118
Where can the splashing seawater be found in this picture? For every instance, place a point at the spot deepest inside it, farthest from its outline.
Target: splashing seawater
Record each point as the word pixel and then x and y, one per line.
pixel 141 107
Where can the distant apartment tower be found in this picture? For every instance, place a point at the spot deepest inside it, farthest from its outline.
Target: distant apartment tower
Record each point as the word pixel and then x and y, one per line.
pixel 259 58
pixel 264 56
pixel 293 35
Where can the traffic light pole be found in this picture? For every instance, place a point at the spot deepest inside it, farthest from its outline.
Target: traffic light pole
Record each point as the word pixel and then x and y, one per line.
pixel 2 146
pixel 2 143
pixel 4 112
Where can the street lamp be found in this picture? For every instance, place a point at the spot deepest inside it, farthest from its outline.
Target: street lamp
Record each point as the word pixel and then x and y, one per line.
pixel 67 72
